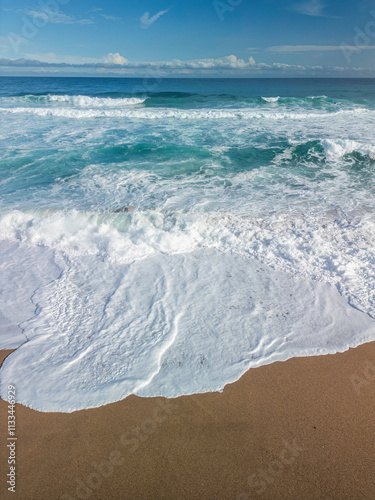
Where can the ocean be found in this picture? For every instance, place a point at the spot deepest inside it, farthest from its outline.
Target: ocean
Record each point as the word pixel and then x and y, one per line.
pixel 160 237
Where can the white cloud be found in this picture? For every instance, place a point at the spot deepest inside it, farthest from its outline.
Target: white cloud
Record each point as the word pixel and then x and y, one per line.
pixel 227 62
pixel 114 59
pixel 310 8
pixel 110 18
pixel 57 18
pixel 146 20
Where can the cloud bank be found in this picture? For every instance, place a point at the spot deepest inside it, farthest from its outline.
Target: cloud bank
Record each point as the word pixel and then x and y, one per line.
pixel 226 66
pixel 116 61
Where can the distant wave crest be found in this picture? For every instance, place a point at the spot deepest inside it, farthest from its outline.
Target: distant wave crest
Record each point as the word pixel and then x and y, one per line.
pixel 83 101
pixel 166 113
pixel 270 99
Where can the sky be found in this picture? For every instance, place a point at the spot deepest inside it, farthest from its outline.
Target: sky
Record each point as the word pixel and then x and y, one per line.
pixel 188 38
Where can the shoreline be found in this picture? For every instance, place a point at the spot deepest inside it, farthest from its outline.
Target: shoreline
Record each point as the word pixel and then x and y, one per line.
pixel 299 429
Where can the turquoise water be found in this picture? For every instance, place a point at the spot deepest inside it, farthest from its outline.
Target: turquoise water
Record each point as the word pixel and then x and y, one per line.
pixel 118 195
pixel 201 132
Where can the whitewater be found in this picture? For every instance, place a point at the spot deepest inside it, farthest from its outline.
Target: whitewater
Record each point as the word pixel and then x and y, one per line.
pixel 162 242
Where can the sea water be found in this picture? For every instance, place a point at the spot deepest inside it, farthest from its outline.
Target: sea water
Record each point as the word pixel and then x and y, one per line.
pixel 160 237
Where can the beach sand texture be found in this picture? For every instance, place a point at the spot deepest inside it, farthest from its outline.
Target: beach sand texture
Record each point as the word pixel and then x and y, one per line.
pixel 302 429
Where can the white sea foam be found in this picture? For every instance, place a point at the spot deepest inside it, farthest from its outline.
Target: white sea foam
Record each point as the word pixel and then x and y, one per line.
pixel 207 318
pixel 23 270
pixel 191 114
pixel 96 102
pixel 270 99
pixel 74 100
pixel 166 304
pixel 340 147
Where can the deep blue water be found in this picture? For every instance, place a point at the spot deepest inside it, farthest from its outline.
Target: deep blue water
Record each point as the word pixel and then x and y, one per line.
pixel 335 88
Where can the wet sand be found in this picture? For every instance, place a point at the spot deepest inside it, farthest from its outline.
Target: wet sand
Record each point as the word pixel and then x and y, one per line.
pixel 302 429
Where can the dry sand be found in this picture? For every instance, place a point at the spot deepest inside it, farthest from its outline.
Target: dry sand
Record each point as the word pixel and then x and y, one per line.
pixel 302 429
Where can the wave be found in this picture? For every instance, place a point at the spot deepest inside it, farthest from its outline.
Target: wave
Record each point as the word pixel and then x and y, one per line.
pixel 270 99
pixel 231 100
pixel 85 101
pixel 177 95
pixel 342 147
pixel 182 114
pixel 320 97
pixel 75 100
pixel 310 100
pixel 113 99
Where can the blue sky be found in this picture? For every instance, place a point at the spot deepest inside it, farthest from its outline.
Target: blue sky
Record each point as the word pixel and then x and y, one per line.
pixel 233 38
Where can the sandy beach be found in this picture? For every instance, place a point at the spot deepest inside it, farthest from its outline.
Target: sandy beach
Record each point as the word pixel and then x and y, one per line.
pixel 302 429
